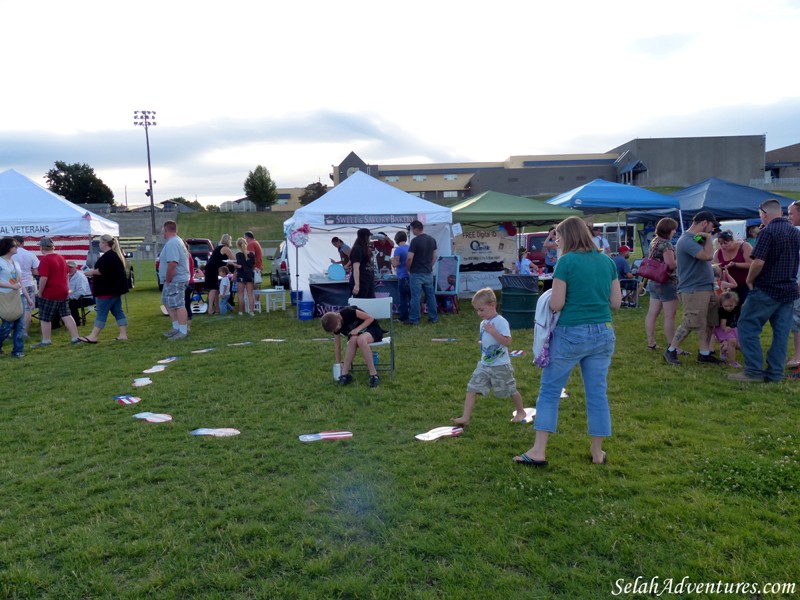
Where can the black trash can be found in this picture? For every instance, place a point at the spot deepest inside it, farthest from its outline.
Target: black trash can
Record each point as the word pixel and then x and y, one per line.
pixel 518 303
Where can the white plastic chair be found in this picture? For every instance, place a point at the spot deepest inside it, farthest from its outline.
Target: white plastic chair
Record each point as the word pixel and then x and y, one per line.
pixel 380 309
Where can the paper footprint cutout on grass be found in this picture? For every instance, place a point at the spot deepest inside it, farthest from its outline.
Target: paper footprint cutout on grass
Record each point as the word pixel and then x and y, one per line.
pixel 439 432
pixel 169 359
pixel 219 432
pixel 529 414
pixel 127 399
pixel 141 381
pixel 240 344
pixel 203 351
pixel 325 435
pixel 516 353
pixel 155 369
pixel 153 417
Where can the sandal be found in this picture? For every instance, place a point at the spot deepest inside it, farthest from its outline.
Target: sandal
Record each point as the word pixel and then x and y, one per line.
pixel 653 347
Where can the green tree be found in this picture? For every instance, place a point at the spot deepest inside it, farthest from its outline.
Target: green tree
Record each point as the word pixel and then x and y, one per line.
pixel 190 203
pixel 260 189
pixel 313 191
pixel 78 183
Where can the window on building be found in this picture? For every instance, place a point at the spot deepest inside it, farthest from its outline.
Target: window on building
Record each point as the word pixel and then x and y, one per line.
pixel 451 177
pixel 391 178
pixel 419 177
pixel 450 194
pixel 417 194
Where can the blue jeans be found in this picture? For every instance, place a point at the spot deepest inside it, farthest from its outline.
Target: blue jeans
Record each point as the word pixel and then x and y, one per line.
pixel 757 310
pixel 405 296
pixel 419 283
pixel 105 305
pixel 590 346
pixel 18 329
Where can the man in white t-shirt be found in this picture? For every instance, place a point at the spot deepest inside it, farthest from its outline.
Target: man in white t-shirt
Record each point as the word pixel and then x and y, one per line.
pixel 599 241
pixel 29 268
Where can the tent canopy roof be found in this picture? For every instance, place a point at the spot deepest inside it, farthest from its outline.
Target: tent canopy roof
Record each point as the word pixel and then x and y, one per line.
pixel 494 207
pixel 369 202
pixel 727 200
pixel 38 211
pixel 600 196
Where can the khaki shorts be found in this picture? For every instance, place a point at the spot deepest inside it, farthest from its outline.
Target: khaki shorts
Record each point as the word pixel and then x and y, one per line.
pixel 700 310
pixel 499 378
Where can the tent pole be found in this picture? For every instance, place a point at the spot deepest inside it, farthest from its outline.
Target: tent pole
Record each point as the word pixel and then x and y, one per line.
pixel 296 280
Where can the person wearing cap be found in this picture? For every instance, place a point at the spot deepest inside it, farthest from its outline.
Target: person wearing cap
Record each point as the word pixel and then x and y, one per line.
pixel 53 293
pixel 80 294
pixel 734 256
pixel 772 279
pixel 694 252
pixel 173 270
pixel 254 247
pixel 627 281
pixel 599 241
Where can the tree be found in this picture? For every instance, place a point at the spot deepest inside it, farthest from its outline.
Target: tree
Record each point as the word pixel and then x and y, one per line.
pixel 78 183
pixel 313 191
pixel 260 189
pixel 190 203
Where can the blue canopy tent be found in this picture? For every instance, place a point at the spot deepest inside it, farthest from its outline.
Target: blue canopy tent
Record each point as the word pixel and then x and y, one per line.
pixel 727 200
pixel 600 196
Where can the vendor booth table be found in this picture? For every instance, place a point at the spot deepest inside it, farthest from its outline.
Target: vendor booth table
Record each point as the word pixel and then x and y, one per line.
pixel 330 295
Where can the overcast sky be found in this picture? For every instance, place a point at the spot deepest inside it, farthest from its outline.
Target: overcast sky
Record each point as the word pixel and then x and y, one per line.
pixel 297 86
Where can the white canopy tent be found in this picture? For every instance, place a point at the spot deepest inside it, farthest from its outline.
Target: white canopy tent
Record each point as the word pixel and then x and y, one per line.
pixel 359 201
pixel 30 210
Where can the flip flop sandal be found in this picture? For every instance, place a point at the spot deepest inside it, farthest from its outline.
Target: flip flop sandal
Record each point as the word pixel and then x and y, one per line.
pixel 653 347
pixel 528 461
pixel 86 340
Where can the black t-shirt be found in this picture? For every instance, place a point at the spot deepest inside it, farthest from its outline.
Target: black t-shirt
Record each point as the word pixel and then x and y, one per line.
pixel 423 246
pixel 366 273
pixel 351 322
pixel 732 317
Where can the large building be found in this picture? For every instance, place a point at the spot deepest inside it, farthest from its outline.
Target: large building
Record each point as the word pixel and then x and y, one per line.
pixel 654 162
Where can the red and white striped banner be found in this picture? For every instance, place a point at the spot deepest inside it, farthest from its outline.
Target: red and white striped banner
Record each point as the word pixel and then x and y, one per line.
pixel 71 247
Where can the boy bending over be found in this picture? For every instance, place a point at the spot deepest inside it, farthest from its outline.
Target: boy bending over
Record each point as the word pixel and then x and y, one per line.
pixel 361 330
pixel 494 370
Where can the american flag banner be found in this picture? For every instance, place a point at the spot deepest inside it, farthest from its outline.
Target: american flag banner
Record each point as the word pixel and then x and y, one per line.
pixel 71 247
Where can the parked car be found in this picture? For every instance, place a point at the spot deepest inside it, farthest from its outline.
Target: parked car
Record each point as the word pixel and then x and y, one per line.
pixel 199 248
pixel 534 242
pixel 280 268
pixel 94 254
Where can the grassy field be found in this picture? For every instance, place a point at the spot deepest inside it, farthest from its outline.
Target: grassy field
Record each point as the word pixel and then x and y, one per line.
pixel 702 478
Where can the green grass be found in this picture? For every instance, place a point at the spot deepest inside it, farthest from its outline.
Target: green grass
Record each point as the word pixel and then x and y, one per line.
pixel 702 480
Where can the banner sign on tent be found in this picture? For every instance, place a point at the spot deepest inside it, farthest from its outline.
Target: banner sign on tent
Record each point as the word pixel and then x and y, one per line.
pixel 398 219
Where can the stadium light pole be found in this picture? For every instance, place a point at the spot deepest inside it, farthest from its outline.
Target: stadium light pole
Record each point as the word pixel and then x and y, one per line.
pixel 145 118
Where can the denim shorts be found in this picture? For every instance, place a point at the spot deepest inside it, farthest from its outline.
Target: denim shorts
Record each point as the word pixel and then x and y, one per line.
pixel 665 292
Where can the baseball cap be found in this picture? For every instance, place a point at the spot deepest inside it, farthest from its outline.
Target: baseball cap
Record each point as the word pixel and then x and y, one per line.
pixel 706 215
pixel 624 248
pixel 46 242
pixel 72 263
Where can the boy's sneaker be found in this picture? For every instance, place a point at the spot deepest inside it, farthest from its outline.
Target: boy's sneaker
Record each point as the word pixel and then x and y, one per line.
pixel 178 336
pixel 18 355
pixel 42 345
pixel 671 356
pixel 171 333
pixel 374 380
pixel 75 341
pixel 345 379
pixel 709 358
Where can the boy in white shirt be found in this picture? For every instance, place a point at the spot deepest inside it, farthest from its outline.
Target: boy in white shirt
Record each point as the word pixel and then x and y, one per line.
pixel 494 370
pixel 224 291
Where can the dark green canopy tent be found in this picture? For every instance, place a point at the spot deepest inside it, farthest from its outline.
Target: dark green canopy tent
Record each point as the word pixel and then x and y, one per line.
pixel 494 207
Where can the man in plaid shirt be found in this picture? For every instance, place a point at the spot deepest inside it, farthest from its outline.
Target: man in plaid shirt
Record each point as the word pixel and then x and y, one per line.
pixel 773 280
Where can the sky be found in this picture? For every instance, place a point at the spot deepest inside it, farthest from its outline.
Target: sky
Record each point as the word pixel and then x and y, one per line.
pixel 296 87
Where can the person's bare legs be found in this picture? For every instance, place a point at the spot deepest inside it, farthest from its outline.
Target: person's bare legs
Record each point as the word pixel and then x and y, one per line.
pixel 469 404
pixel 123 332
pixel 539 450
pixel 251 298
pixel 520 416
pixel 796 337
pixel 349 355
pixel 670 309
pixel 598 456
pixel 650 322
pixel 213 301
pixel 47 329
pixel 364 340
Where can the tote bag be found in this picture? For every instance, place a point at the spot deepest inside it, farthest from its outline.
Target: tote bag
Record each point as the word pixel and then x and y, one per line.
pixel 10 306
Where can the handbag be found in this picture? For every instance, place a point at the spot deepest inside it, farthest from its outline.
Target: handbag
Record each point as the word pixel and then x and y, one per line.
pixel 10 306
pixel 652 269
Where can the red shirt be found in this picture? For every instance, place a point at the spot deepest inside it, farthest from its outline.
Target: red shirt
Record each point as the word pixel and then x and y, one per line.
pixel 54 267
pixel 254 247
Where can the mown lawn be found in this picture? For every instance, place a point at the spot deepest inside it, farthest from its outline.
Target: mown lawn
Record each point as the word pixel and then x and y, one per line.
pixel 702 479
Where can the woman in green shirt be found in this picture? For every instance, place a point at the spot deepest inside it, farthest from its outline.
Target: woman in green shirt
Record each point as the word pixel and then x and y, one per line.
pixel 585 289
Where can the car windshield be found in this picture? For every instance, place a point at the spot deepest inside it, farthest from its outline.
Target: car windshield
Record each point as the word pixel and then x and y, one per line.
pixel 198 248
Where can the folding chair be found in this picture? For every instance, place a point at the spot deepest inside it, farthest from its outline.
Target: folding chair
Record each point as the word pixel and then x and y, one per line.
pixel 379 308
pixel 85 306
